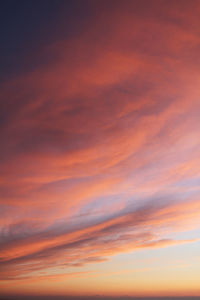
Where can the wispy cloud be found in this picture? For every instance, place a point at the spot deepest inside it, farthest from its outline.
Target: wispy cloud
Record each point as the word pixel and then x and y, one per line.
pixel 100 146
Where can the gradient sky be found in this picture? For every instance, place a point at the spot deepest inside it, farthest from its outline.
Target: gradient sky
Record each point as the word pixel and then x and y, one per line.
pixel 100 147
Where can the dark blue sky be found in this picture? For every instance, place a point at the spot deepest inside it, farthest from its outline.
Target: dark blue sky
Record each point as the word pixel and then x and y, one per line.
pixel 27 26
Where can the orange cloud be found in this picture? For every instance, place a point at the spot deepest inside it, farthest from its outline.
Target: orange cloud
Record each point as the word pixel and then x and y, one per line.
pixel 101 145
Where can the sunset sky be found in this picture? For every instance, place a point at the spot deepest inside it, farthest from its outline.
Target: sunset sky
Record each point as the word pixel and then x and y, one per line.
pixel 100 147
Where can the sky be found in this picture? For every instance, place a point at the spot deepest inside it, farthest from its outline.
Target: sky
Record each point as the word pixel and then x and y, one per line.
pixel 100 148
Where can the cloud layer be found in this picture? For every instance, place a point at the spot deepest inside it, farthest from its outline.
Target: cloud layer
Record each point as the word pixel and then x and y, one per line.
pixel 100 146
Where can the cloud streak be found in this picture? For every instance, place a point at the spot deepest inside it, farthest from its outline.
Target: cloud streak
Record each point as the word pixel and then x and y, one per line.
pixel 100 146
pixel 124 232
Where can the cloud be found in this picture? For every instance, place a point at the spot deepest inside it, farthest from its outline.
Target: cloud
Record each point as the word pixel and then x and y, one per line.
pixel 93 136
pixel 125 232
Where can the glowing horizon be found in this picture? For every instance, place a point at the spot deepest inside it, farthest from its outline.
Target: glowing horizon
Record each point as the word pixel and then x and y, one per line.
pixel 100 156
